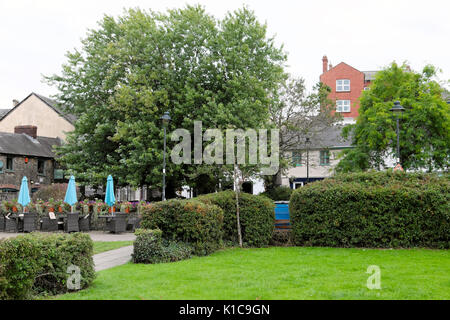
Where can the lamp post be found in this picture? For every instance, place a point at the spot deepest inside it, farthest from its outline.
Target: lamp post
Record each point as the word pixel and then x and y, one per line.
pixel 307 142
pixel 165 119
pixel 397 109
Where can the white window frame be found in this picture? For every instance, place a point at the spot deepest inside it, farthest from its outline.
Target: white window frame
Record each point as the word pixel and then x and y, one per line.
pixel 342 85
pixel 343 105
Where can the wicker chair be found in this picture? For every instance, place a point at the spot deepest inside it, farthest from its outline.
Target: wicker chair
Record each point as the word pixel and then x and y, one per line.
pixel 48 224
pixel 71 223
pixel 11 225
pixel 133 223
pixel 84 223
pixel 29 222
pixel 2 222
pixel 118 223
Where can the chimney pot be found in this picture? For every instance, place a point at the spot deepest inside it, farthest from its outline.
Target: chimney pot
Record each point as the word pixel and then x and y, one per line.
pixel 325 63
pixel 15 102
pixel 27 129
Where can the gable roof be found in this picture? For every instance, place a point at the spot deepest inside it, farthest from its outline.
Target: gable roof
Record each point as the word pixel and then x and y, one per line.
pixel 49 102
pixel 341 63
pixel 24 145
pixel 327 138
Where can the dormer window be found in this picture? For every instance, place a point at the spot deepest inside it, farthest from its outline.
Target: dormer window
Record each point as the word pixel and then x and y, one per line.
pixel 342 85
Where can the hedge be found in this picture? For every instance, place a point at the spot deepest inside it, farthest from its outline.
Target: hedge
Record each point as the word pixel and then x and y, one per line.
pixel 257 216
pixel 382 210
pixel 190 221
pixel 150 247
pixel 36 264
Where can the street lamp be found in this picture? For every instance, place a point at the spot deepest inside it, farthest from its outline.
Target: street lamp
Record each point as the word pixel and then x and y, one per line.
pixel 307 142
pixel 165 119
pixel 397 109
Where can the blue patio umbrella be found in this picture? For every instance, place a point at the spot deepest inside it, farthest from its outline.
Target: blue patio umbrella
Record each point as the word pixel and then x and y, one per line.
pixel 71 193
pixel 24 194
pixel 110 200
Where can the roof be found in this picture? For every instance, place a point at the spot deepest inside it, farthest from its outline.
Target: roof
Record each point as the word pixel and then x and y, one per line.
pixel 3 112
pixel 23 144
pixel 369 75
pixel 49 102
pixel 327 138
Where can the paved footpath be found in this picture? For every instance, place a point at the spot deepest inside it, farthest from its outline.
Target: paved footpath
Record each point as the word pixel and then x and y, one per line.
pixel 104 260
pixel 112 258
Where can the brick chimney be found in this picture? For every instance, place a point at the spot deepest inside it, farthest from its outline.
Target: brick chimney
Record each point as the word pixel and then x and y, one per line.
pixel 325 64
pixel 15 102
pixel 29 130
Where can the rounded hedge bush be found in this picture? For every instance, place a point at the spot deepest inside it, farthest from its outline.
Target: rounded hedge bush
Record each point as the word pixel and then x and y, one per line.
pixel 376 209
pixel 36 263
pixel 190 221
pixel 257 216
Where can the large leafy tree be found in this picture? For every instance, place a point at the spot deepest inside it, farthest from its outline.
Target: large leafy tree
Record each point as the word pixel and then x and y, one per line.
pixel 133 68
pixel 424 126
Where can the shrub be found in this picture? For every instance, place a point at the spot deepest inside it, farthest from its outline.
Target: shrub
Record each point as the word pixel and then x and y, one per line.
pixel 190 221
pixel 37 264
pixel 382 209
pixel 257 216
pixel 281 193
pixel 150 247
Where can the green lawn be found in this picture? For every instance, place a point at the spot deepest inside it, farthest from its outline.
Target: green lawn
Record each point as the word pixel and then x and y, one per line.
pixel 280 273
pixel 102 246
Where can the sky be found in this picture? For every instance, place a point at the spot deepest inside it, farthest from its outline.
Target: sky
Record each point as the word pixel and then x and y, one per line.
pixel 368 35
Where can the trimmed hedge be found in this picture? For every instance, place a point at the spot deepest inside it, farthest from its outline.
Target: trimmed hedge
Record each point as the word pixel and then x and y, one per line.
pixel 36 264
pixel 150 247
pixel 281 193
pixel 376 209
pixel 190 221
pixel 257 216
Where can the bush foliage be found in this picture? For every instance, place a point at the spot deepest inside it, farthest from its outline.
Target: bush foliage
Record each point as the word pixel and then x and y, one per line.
pixel 190 221
pixel 36 264
pixel 375 209
pixel 150 247
pixel 257 216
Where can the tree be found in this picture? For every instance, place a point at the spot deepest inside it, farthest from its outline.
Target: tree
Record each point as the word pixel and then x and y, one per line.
pixel 134 68
pixel 299 115
pixel 424 126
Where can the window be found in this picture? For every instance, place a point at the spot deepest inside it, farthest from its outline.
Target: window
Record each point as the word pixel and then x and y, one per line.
pixel 41 166
pixel 297 159
pixel 324 157
pixel 342 85
pixel 343 105
pixel 9 163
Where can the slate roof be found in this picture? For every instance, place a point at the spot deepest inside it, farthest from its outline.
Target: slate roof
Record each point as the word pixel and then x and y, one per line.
pixel 50 102
pixel 3 112
pixel 327 138
pixel 23 144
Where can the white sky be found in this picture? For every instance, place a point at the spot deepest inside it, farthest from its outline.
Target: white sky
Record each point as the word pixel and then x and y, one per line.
pixel 35 35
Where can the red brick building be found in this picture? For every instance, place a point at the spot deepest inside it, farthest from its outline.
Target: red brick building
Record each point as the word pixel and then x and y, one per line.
pixel 346 83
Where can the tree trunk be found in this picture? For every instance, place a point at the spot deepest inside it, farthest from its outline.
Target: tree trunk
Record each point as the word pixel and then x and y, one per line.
pixel 237 190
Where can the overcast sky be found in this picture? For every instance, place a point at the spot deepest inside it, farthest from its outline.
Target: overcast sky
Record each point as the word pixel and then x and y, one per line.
pixel 368 35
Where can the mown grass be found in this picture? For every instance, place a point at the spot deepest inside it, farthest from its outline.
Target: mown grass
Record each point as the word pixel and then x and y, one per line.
pixel 280 273
pixel 102 246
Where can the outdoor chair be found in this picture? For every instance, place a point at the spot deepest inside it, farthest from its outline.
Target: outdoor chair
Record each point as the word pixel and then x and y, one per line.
pixel 84 223
pixel 2 222
pixel 117 223
pixel 11 224
pixel 71 223
pixel 49 224
pixel 133 223
pixel 29 222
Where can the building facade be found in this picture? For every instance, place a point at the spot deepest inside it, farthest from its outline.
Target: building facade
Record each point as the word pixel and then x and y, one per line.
pixel 41 112
pixel 346 85
pixel 23 153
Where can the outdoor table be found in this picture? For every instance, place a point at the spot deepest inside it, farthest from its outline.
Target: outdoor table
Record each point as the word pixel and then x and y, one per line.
pixel 115 222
